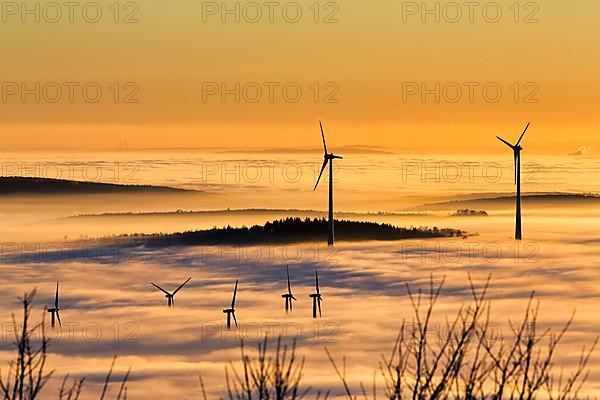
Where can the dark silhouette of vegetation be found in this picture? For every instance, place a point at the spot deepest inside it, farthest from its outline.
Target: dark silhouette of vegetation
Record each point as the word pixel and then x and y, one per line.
pixel 470 361
pixel 469 213
pixel 27 376
pixel 295 230
pixel 265 377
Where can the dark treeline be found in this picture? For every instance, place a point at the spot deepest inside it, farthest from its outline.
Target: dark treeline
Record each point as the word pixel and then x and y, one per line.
pixel 295 230
pixel 469 213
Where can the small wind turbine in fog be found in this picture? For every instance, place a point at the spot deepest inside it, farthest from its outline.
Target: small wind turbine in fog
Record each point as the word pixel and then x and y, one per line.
pixel 328 158
pixel 316 297
pixel 170 296
pixel 517 159
pixel 288 296
pixel 231 311
pixel 54 311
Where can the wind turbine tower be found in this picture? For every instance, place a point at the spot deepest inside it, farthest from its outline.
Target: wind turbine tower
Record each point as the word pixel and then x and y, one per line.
pixel 328 158
pixel 516 148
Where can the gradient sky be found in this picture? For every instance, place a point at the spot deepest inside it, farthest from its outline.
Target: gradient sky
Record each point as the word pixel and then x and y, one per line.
pixel 370 54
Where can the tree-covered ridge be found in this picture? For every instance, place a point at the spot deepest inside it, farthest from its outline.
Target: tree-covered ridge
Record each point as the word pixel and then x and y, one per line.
pixel 297 230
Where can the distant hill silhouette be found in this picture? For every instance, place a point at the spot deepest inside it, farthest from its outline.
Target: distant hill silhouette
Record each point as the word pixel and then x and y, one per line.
pixel 531 199
pixel 291 230
pixel 28 185
pixel 292 212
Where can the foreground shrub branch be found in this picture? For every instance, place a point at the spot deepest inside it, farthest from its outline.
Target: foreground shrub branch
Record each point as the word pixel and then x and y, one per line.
pixel 468 362
pixel 267 376
pixel 27 376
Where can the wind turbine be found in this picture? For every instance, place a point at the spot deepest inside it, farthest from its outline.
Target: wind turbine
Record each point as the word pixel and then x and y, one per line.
pixel 170 296
pixel 517 159
pixel 288 296
pixel 54 311
pixel 328 158
pixel 231 311
pixel 316 296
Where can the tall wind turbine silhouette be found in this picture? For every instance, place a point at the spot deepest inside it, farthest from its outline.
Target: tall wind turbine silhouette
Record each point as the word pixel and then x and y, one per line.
pixel 170 296
pixel 328 158
pixel 317 299
pixel 54 311
pixel 288 296
pixel 231 311
pixel 517 159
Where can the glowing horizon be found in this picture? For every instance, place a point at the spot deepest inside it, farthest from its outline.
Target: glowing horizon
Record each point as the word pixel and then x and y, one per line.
pixel 371 70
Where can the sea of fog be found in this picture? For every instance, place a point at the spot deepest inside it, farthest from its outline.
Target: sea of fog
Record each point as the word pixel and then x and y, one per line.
pixel 109 308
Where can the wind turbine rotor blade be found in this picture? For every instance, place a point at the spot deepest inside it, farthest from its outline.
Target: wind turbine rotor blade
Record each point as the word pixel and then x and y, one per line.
pixel 317 281
pixel 177 290
pixel 505 142
pixel 516 157
pixel 234 319
pixel 288 280
pixel 159 288
pixel 334 156
pixel 518 165
pixel 56 297
pixel 58 317
pixel 323 136
pixel 319 305
pixel 321 173
pixel 523 134
pixel 234 293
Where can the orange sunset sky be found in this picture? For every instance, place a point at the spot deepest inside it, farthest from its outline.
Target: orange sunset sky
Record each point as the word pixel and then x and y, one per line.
pixel 366 62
